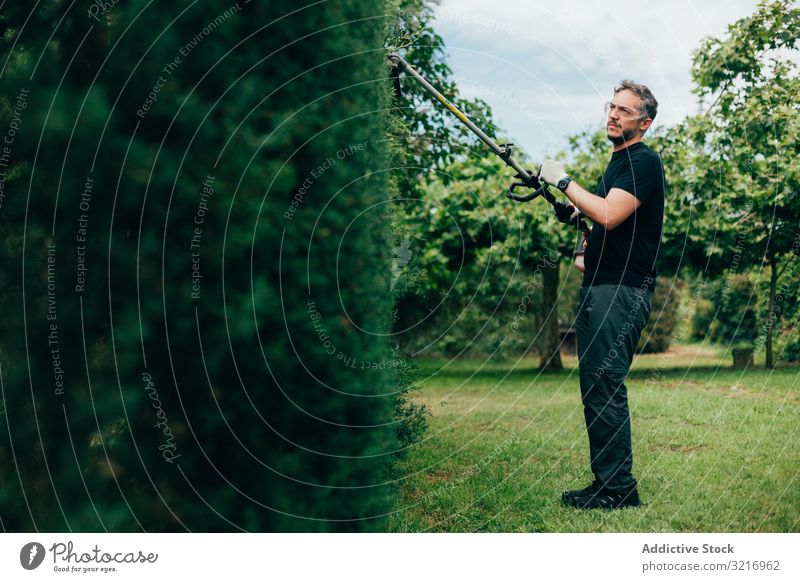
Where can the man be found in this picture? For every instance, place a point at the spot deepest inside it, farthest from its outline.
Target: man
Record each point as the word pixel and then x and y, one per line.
pixel 618 284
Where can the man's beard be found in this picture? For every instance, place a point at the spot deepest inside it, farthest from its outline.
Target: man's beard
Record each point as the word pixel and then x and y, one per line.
pixel 626 136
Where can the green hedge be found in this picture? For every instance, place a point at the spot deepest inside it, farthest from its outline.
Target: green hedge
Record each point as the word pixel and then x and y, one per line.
pixel 224 363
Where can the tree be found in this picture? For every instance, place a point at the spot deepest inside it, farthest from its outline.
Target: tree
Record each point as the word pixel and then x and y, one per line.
pixel 424 136
pixel 751 90
pixel 478 274
pixel 434 152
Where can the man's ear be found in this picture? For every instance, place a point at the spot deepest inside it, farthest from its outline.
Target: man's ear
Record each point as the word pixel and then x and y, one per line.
pixel 644 125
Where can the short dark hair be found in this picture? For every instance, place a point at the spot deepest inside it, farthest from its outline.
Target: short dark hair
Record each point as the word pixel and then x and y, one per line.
pixel 648 100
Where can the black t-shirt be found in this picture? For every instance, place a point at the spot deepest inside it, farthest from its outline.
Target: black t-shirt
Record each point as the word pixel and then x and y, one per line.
pixel 627 254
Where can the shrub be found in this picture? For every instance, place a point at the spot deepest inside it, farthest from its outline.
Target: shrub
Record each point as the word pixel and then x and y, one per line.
pixel 190 382
pixel 660 329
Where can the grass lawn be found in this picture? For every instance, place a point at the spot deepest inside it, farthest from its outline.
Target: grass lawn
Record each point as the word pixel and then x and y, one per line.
pixel 714 449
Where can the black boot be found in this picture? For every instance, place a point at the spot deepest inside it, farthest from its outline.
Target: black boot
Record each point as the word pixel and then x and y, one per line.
pixel 606 500
pixel 567 496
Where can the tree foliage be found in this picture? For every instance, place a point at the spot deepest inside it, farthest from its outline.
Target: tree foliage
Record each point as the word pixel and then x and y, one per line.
pixel 426 136
pixel 457 263
pixel 750 173
pixel 478 265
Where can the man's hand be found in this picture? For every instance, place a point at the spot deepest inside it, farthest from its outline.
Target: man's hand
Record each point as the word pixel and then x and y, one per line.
pixel 566 213
pixel 552 172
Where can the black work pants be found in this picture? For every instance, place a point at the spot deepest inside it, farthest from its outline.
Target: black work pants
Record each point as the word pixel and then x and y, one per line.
pixel 609 323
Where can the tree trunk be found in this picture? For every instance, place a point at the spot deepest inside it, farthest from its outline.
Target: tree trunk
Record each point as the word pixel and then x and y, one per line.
pixel 550 334
pixel 773 284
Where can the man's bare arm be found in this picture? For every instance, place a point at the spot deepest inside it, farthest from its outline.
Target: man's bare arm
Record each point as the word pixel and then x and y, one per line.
pixel 608 212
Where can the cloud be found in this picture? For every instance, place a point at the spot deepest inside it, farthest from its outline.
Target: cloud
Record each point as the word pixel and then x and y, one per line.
pixel 563 59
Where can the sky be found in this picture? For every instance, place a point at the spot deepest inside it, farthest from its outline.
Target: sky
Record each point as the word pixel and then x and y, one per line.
pixel 547 68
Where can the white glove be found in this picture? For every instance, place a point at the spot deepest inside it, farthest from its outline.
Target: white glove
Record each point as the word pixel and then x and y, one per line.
pixel 552 172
